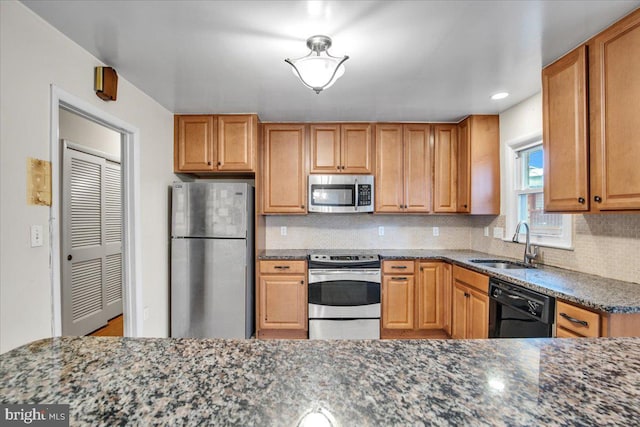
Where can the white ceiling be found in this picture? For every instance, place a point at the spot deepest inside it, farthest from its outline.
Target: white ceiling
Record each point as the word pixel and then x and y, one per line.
pixel 409 60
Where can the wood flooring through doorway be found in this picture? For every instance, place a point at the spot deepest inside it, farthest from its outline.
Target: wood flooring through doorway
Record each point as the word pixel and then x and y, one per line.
pixel 114 328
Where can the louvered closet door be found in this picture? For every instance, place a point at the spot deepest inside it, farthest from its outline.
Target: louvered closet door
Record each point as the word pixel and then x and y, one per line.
pixel 92 249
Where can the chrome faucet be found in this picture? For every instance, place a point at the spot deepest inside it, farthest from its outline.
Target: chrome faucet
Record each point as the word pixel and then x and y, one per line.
pixel 530 251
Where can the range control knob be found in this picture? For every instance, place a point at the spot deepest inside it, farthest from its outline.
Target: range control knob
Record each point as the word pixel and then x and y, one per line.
pixel 497 292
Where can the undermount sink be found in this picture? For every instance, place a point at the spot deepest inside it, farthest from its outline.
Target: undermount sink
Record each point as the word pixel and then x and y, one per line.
pixel 500 263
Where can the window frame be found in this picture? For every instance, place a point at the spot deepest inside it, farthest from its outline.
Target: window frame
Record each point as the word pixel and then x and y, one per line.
pixel 513 187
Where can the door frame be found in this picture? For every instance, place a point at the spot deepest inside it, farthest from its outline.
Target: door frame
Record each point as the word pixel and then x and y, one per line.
pixel 131 251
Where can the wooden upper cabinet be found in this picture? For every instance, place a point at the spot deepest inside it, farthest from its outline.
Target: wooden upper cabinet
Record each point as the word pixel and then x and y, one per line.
pixel 389 193
pixel 236 142
pixel 478 165
pixel 341 148
pixel 284 169
pixel 403 172
pixel 207 143
pixel 445 168
pixel 356 148
pixel 614 97
pixel 193 144
pixel 565 133
pixel 417 168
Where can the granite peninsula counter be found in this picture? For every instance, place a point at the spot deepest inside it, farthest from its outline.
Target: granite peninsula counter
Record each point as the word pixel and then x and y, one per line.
pixel 599 293
pixel 129 381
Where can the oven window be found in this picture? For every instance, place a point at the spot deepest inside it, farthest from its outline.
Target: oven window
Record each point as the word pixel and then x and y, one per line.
pixel 344 293
pixel 333 195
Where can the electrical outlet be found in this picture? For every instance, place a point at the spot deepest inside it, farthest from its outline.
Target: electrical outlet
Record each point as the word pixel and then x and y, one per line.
pixel 486 232
pixel 36 236
pixel 498 232
pixel 380 231
pixel 145 313
pixel 283 230
pixel 436 231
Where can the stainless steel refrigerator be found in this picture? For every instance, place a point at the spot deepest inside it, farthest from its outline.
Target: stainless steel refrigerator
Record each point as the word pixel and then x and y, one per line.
pixel 212 281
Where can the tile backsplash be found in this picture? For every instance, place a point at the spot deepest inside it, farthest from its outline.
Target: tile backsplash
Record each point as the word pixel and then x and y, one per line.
pixel 361 231
pixel 607 245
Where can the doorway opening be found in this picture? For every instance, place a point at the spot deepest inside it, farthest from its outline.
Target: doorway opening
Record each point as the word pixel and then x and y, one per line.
pixel 107 281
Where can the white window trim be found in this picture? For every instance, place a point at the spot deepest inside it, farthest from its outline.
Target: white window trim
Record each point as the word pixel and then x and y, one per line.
pixel 511 205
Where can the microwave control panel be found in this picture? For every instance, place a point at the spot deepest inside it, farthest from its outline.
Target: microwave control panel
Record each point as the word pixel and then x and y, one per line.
pixel 364 195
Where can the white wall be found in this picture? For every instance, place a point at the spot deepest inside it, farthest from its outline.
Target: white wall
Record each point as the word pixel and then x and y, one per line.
pixel 82 131
pixel 33 55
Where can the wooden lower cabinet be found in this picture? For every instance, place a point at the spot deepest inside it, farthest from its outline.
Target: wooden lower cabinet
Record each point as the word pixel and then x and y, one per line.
pixel 470 304
pixel 413 305
pixel 281 309
pixel 575 321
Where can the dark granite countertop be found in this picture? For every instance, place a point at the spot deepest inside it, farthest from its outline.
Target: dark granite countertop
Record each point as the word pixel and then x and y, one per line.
pixel 599 293
pixel 129 381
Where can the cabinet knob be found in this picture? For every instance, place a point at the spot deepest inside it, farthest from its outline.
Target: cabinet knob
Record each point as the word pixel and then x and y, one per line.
pixel 338 167
pixel 464 206
pixel 597 199
pixel 302 282
pixel 466 295
pixel 219 163
pixel 342 167
pixel 69 257
pixel 581 200
pixel 302 206
pixel 209 163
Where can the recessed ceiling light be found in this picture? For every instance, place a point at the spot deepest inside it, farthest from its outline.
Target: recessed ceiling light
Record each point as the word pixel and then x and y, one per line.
pixel 499 95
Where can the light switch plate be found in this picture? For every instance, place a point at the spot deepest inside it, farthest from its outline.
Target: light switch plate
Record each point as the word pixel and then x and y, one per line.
pixel 37 238
pixel 486 232
pixel 381 231
pixel 283 230
pixel 498 232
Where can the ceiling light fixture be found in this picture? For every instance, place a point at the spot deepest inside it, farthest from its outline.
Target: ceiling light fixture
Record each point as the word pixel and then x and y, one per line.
pixel 499 95
pixel 318 70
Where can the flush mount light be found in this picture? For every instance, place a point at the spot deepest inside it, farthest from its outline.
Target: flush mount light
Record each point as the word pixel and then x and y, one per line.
pixel 318 70
pixel 499 95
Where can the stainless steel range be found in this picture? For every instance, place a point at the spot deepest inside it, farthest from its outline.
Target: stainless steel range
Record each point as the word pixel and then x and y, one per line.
pixel 344 296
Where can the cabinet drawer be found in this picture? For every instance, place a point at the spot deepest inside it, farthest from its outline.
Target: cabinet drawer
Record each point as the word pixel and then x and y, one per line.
pixel 283 266
pixel 398 267
pixel 563 333
pixel 471 278
pixel 577 319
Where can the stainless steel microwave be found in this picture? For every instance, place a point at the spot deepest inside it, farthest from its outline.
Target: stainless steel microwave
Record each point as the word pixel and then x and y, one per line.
pixel 341 193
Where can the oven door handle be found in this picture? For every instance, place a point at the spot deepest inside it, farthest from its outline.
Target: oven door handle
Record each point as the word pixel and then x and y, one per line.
pixel 345 271
pixel 357 195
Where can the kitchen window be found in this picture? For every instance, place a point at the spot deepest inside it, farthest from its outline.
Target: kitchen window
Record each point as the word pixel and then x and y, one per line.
pixel 547 229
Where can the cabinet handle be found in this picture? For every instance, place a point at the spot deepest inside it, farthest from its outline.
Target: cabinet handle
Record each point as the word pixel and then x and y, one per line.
pixel 574 320
pixel 281 267
pixel 338 167
pixel 342 167
pixel 466 295
pixel 400 267
pixel 399 278
pixel 208 163
pixel 581 200
pixel 597 199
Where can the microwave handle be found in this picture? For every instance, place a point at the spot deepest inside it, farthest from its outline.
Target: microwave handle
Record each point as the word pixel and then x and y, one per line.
pixel 357 195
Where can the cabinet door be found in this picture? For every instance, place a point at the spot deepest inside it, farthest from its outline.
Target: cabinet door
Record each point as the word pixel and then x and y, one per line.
pixel 464 167
pixel 459 311
pixel 284 171
pixel 397 302
pixel 614 67
pixel 444 168
pixel 564 106
pixel 430 296
pixel 477 314
pixel 283 302
pixel 193 144
pixel 417 168
pixel 236 142
pixel 325 148
pixel 447 291
pixel 389 193
pixel 356 148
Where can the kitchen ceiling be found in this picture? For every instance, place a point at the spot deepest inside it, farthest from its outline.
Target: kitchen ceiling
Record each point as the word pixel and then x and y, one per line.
pixel 409 60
